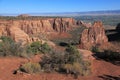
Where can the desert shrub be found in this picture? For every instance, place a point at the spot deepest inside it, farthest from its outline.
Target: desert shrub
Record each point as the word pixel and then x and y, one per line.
pixel 70 62
pixel 45 48
pixel 72 49
pixel 52 62
pixel 7 39
pixel 37 47
pixel 77 69
pixel 9 47
pixel 73 68
pixel 75 58
pixel 73 54
pixel 31 67
pixel 34 47
pixel 95 49
pixel 86 68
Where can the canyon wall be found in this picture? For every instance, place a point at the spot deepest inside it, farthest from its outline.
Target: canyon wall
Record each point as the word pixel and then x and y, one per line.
pixel 21 30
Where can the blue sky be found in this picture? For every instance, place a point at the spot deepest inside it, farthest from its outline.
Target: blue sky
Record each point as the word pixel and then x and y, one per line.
pixel 46 6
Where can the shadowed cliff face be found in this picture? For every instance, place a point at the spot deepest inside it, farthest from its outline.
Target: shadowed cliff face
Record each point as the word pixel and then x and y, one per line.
pixel 115 36
pixel 93 36
pixel 20 30
pixel 118 28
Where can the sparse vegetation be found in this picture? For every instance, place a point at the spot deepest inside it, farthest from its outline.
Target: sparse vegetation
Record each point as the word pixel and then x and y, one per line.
pixel 34 47
pixel 45 48
pixel 95 49
pixel 31 67
pixel 9 47
pixel 7 39
pixel 38 47
pixel 69 62
pixel 52 61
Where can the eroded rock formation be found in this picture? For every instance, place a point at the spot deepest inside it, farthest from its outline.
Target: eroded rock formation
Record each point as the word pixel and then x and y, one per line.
pixel 22 30
pixel 93 36
pixel 18 35
pixel 84 24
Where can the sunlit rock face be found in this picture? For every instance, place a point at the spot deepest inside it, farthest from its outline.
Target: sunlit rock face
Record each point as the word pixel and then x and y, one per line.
pixel 93 36
pixel 21 30
pixel 18 35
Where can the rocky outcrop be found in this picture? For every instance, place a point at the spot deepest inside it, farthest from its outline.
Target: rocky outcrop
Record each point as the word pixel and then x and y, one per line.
pixel 45 25
pixel 84 24
pixel 18 35
pixel 23 29
pixel 63 24
pixel 93 36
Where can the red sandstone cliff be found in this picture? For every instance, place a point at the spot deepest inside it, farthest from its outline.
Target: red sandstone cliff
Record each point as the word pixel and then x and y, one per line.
pixel 21 30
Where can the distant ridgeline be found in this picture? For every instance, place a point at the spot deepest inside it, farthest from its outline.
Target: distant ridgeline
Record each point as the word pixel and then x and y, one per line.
pixel 28 17
pixel 111 20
